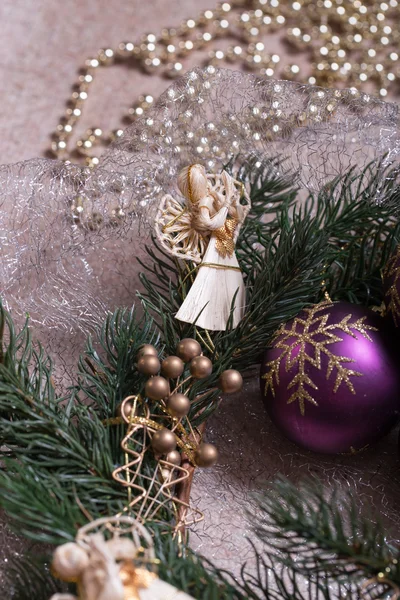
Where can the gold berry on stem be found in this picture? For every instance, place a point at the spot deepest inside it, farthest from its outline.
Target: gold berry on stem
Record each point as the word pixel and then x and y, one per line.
pixel 174 457
pixel 178 405
pixel 148 364
pixel 157 388
pixel 124 409
pixel 172 367
pixel 146 349
pixel 163 441
pixel 206 455
pixel 187 349
pixel 200 367
pixel 230 381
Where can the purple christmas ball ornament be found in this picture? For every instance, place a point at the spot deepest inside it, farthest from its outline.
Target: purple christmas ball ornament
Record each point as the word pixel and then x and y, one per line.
pixel 330 382
pixel 391 287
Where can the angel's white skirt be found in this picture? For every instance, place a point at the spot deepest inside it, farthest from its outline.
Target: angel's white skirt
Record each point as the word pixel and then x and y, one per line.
pixel 209 300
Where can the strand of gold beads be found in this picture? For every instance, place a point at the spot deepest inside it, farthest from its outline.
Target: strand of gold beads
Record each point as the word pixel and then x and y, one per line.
pixel 346 43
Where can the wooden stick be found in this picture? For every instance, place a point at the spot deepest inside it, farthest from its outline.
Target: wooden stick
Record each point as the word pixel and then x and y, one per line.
pixel 185 487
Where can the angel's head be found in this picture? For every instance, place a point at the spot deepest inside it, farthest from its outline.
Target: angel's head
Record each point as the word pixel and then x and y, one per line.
pixel 192 182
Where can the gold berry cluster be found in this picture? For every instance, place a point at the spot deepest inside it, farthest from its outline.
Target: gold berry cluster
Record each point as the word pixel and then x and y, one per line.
pixel 169 383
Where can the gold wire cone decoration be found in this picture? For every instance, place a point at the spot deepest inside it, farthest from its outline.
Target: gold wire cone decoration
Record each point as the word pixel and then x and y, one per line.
pixel 151 494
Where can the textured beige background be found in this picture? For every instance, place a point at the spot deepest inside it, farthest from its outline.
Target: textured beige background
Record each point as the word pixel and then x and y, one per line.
pixel 42 43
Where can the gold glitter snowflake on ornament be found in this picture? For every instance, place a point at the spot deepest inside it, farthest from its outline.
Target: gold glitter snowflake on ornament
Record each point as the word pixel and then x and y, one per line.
pixel 303 342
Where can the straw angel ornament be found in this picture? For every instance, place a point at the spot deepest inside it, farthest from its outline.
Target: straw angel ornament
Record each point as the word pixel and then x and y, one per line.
pixel 102 563
pixel 204 230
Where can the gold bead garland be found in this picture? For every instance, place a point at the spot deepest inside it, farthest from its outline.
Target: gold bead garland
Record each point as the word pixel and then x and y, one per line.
pixel 349 43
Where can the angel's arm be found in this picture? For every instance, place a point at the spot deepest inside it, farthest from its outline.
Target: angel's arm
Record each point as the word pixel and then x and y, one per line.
pixel 212 222
pixel 215 222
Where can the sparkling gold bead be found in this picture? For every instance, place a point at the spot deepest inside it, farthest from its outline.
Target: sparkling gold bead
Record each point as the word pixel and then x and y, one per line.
pixel 216 57
pixel 64 130
pixel 93 63
pixel 151 65
pixel 185 47
pixel 206 17
pixel 174 70
pixel 125 49
pixel 254 61
pixel 59 147
pixel 149 38
pixel 163 441
pixel 168 34
pixel 156 388
pixel 105 56
pixel 116 134
pixel 145 101
pixel 206 455
pixel 84 146
pixel 234 53
pixel 92 161
pixel 203 39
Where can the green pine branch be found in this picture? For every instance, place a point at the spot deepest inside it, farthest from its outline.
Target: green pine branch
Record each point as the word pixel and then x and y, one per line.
pixel 323 535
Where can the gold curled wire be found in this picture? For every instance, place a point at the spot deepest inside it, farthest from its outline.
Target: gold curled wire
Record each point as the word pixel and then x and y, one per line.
pixel 150 500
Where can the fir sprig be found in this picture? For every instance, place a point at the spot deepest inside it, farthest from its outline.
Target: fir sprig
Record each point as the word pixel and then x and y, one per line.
pixel 320 533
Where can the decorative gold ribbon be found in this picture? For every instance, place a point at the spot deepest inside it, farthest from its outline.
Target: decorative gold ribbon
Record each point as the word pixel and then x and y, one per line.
pixel 134 579
pixel 224 238
pixel 217 266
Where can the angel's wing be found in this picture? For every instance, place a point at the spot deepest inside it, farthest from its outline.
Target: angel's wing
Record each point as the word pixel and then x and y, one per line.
pixel 174 231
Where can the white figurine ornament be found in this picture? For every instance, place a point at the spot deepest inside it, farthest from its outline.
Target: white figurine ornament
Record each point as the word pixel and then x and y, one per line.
pixel 204 230
pixel 105 569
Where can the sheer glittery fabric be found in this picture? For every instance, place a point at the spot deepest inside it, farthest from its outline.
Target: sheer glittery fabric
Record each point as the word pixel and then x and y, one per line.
pixel 70 239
